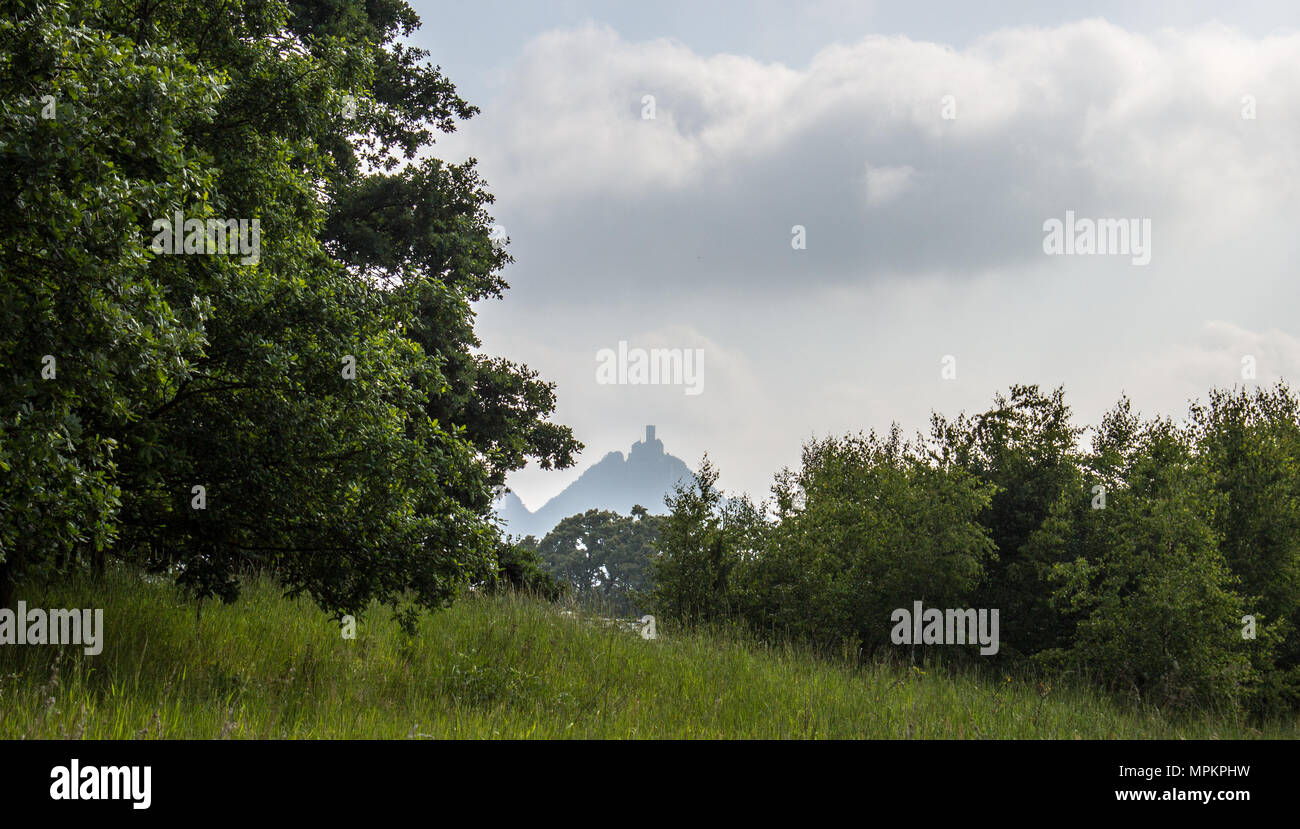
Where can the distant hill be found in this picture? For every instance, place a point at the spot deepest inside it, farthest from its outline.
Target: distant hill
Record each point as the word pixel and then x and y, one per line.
pixel 615 483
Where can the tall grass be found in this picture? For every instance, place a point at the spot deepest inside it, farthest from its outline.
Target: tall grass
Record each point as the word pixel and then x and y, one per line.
pixel 500 666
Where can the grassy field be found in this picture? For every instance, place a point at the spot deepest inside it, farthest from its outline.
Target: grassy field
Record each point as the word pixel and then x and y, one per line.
pixel 507 667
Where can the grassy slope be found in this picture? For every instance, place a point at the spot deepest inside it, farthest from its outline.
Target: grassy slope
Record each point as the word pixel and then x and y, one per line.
pixel 496 667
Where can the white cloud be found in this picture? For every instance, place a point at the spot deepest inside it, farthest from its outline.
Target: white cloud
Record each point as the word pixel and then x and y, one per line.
pixel 1217 356
pixel 924 234
pixel 1085 116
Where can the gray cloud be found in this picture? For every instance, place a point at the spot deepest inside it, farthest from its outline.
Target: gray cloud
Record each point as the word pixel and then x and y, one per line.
pixel 924 235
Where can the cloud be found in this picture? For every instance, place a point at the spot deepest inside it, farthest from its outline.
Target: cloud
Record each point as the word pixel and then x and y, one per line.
pixel 1224 355
pixel 1085 117
pixel 924 233
pixel 884 184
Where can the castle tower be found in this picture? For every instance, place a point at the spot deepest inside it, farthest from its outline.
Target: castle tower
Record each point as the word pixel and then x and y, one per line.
pixel 650 447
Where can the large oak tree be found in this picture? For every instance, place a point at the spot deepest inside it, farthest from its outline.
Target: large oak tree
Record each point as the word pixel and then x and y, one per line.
pixel 327 393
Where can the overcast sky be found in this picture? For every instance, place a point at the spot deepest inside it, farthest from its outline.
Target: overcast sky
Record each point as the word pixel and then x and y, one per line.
pixel 923 214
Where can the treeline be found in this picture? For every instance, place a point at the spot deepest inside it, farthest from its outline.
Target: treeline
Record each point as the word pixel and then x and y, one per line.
pixel 316 408
pixel 1161 560
pixel 599 558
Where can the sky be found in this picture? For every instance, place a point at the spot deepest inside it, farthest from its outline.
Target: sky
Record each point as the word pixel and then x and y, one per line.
pixel 847 210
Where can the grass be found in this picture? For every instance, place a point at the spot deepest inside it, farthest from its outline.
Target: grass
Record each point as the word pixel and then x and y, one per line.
pixel 499 667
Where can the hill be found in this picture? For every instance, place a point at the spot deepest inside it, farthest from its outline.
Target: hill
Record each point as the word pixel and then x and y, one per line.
pixel 615 483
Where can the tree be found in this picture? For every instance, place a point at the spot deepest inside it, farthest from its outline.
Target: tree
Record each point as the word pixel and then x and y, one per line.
pixel 1024 447
pixel 604 555
pixel 867 526
pixel 90 328
pixel 325 393
pixel 521 569
pixel 701 541
pixel 1161 615
pixel 1250 444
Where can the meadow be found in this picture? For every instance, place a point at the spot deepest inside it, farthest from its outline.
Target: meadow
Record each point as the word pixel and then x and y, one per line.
pixel 503 666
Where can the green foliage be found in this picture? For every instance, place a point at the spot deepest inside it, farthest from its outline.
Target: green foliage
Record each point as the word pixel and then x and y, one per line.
pixel 1133 562
pixel 1024 448
pixel 224 371
pixel 604 556
pixel 131 377
pixel 1161 619
pixel 1251 444
pixel 701 542
pixel 77 282
pixel 510 667
pixel 865 527
pixel 520 569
